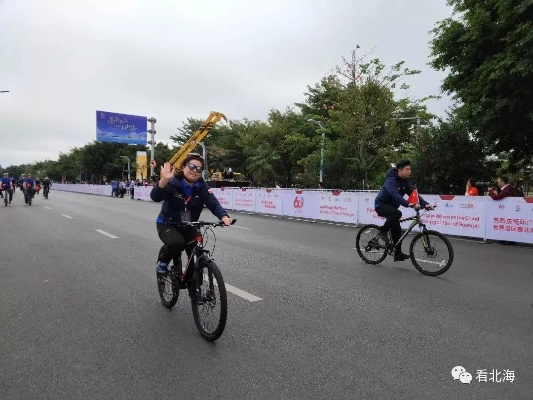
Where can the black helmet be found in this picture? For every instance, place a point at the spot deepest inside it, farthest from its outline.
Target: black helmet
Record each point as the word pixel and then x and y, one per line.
pixel 193 156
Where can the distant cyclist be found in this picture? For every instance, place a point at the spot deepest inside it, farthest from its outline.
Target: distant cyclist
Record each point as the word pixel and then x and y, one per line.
pixel 389 199
pixel 29 188
pixel 7 184
pixel 46 186
pixel 184 194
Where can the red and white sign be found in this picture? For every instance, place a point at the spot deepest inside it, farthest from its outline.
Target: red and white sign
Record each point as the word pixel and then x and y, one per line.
pixel 224 196
pixel 300 203
pixel 268 201
pixel 510 219
pixel 456 215
pixel 335 205
pixel 244 199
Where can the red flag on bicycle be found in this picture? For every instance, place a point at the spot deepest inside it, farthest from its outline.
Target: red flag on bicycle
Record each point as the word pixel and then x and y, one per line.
pixel 413 197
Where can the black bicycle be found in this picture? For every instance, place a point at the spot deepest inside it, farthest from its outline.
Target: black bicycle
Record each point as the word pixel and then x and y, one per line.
pixel 46 189
pixel 202 278
pixel 431 252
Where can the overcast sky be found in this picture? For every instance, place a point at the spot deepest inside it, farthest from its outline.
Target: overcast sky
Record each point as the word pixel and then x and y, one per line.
pixel 64 59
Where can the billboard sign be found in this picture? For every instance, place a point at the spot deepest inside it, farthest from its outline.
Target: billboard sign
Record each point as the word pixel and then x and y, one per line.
pixel 142 165
pixel 120 128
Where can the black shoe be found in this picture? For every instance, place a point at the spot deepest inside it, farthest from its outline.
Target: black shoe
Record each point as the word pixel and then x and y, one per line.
pixel 401 257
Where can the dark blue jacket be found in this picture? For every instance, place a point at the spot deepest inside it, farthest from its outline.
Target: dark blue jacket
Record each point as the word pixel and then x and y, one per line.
pixel 175 194
pixel 394 189
pixel 29 181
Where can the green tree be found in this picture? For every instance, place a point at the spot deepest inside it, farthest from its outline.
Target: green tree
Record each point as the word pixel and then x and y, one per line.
pixel 261 164
pixel 487 49
pixel 367 119
pixel 446 156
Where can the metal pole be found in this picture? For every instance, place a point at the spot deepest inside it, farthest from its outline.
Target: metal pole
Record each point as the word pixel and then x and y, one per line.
pixel 204 150
pixel 152 132
pixel 322 157
pixel 323 127
pixel 129 167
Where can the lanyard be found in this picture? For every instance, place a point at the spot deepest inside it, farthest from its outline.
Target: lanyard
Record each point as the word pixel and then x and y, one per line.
pixel 186 201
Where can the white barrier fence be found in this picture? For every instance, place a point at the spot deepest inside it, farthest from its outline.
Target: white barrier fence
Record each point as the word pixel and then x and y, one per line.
pixel 510 219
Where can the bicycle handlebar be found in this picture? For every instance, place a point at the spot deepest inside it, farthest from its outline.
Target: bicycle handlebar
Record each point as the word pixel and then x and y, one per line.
pixel 198 224
pixel 415 216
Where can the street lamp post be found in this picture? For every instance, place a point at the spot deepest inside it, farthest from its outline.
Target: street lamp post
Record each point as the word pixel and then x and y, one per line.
pixel 128 160
pixel 152 132
pixel 205 158
pixel 323 128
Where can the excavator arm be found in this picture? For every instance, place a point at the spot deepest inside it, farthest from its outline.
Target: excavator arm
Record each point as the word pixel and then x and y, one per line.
pixel 177 160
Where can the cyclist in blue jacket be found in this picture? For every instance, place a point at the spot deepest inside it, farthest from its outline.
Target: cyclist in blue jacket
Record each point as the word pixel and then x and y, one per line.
pixel 389 199
pixel 6 183
pixel 29 188
pixel 184 194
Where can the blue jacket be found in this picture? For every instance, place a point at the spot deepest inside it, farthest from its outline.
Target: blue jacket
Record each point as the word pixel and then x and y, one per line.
pixel 177 192
pixel 394 189
pixel 29 181
pixel 5 183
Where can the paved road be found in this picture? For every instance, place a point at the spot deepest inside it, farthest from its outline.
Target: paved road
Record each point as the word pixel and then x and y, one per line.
pixel 81 319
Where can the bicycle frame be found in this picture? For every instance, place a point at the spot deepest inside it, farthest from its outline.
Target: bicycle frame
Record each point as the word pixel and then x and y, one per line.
pixel 196 245
pixel 416 221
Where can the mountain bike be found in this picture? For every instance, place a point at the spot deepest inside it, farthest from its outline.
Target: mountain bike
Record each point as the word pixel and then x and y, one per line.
pixel 202 278
pixel 429 249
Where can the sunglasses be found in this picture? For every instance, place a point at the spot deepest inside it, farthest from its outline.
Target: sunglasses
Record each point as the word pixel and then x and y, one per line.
pixel 196 168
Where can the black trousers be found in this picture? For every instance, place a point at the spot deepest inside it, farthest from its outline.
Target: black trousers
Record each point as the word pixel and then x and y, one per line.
pixel 392 222
pixel 174 241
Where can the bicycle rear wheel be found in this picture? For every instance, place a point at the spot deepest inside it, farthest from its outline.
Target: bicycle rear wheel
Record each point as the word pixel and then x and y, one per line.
pixel 209 300
pixel 369 245
pixel 431 253
pixel 167 286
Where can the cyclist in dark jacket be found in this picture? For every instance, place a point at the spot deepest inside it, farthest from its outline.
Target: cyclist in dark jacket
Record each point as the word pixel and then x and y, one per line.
pixel 389 199
pixel 184 195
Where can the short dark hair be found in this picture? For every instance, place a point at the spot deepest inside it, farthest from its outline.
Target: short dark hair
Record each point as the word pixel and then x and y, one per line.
pixel 504 179
pixel 402 164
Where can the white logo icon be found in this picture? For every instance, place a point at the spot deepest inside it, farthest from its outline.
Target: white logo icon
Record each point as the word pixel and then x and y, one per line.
pixel 465 377
pixel 457 371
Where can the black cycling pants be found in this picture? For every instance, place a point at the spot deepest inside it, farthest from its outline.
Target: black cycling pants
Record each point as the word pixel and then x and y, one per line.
pixel 393 216
pixel 174 240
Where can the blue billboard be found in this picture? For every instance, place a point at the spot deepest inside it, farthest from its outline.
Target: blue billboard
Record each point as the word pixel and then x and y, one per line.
pixel 120 128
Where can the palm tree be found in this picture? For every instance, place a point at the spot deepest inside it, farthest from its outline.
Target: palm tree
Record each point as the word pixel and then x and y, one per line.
pixel 261 164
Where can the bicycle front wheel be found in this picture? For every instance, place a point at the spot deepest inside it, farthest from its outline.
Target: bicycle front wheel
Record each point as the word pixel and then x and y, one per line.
pixel 167 287
pixel 370 247
pixel 209 300
pixel 431 253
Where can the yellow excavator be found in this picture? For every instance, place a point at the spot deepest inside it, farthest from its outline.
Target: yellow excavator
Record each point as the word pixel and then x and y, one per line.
pixel 177 160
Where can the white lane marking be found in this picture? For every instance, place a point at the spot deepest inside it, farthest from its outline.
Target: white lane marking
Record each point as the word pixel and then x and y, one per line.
pixel 124 206
pixel 240 227
pixel 66 216
pixel 48 208
pixel 106 234
pixel 241 293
